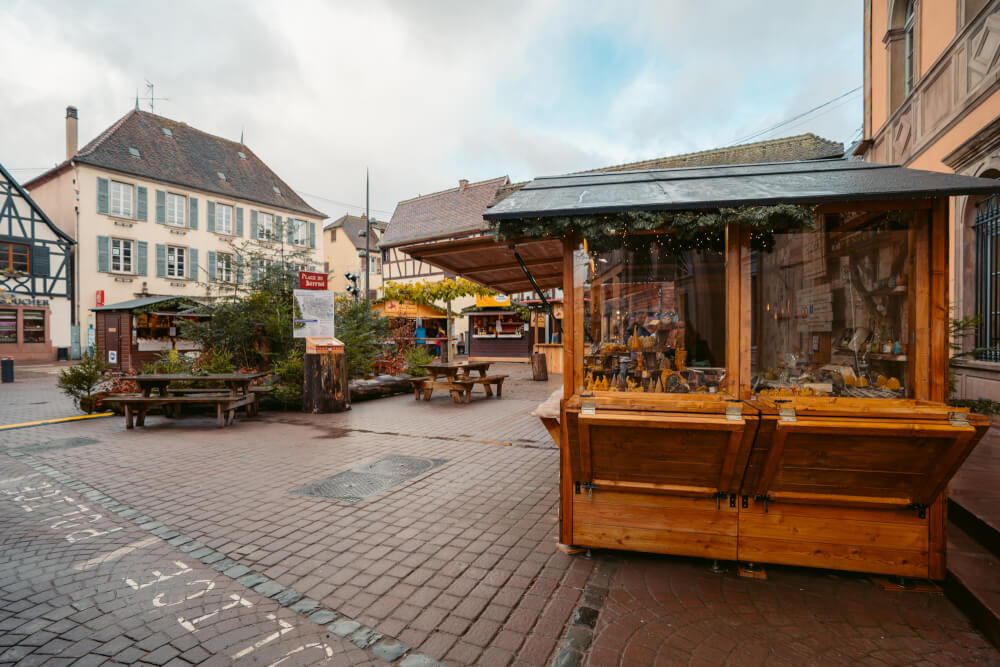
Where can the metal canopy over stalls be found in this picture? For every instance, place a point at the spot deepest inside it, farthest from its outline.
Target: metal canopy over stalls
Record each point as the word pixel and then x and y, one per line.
pixel 494 263
pixel 808 182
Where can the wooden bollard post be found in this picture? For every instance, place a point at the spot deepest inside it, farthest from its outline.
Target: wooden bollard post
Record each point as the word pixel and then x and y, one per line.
pixel 539 370
pixel 324 383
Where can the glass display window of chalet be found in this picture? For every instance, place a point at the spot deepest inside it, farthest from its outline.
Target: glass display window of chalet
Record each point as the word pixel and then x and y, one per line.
pixel 832 307
pixel 654 315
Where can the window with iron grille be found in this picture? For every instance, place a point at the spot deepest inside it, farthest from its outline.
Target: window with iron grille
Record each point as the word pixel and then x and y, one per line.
pixel 987 228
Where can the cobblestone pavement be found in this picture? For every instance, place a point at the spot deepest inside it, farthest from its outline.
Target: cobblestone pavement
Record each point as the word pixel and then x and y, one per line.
pixel 663 610
pixel 454 565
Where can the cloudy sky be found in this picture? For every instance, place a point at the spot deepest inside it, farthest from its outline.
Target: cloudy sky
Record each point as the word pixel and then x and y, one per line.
pixel 426 92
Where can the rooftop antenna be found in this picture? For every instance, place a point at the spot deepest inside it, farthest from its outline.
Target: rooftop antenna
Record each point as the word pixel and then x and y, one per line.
pixel 241 135
pixel 152 98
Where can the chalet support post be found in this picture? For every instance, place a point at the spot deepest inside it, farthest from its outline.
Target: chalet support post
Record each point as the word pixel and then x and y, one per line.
pixel 539 371
pixel 324 381
pixel 448 332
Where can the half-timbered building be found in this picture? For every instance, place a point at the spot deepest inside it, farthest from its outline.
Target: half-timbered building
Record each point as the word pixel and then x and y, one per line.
pixel 35 283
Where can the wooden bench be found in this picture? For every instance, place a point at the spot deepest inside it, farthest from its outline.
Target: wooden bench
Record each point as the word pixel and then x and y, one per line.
pixel 226 405
pixel 488 382
pixel 461 390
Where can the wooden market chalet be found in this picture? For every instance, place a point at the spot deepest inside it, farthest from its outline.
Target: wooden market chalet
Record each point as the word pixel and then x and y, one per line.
pixel 756 357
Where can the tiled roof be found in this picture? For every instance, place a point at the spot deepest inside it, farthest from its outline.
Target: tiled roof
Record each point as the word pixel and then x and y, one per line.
pixel 787 149
pixel 352 224
pixel 150 146
pixel 451 212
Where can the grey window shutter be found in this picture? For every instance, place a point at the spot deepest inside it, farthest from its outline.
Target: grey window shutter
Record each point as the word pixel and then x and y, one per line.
pixel 140 203
pixel 161 260
pixel 253 224
pixel 239 269
pixel 290 230
pixel 161 207
pixel 239 221
pixel 142 250
pixel 193 212
pixel 210 216
pixel 312 234
pixel 192 259
pixel 103 254
pixel 211 266
pixel 254 270
pixel 102 195
pixel 40 260
pixel 277 228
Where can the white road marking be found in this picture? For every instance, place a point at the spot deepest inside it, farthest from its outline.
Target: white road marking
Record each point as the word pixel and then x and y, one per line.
pixel 285 627
pixel 17 479
pixel 115 555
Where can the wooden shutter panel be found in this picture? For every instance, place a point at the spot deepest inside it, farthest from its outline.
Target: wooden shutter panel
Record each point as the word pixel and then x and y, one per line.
pixel 140 203
pixel 253 224
pixel 239 221
pixel 210 219
pixel 161 207
pixel 103 254
pixel 142 251
pixel 192 263
pixel 40 264
pixel 211 266
pixel 161 260
pixel 193 212
pixel 102 195
pixel 312 234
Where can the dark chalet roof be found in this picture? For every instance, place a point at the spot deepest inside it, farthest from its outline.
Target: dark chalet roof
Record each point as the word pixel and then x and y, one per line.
pixel 806 182
pixel 454 212
pixel 786 149
pixel 187 157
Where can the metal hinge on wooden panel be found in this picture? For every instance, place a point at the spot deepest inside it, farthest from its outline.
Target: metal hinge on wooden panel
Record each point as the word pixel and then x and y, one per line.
pixel 763 498
pixel 958 418
pixel 734 412
pixel 921 510
pixel 590 489
pixel 786 414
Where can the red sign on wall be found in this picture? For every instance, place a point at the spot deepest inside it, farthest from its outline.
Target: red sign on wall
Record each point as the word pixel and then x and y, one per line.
pixel 100 297
pixel 311 280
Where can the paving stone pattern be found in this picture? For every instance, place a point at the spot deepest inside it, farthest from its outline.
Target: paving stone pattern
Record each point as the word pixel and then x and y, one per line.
pixel 668 610
pixel 454 565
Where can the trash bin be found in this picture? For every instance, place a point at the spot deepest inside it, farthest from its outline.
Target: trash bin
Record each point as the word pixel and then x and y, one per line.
pixel 7 369
pixel 62 354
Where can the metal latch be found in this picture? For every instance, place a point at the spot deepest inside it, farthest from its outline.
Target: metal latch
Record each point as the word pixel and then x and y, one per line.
pixel 786 414
pixel 734 412
pixel 590 489
pixel 588 405
pixel 958 418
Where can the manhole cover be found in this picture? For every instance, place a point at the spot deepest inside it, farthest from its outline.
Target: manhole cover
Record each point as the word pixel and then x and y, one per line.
pixel 403 467
pixel 366 480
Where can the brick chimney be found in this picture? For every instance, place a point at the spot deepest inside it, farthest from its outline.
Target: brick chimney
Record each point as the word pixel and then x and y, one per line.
pixel 463 183
pixel 71 119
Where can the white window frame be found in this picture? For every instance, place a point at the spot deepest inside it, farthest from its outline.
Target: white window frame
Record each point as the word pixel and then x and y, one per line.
pixel 177 258
pixel 122 198
pixel 176 210
pixel 265 226
pixel 122 244
pixel 224 219
pixel 300 233
pixel 225 266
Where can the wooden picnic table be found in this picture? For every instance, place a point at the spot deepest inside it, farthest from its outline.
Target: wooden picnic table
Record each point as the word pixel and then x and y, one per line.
pixel 235 394
pixel 457 378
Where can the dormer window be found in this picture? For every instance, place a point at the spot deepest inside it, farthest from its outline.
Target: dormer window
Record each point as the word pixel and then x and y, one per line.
pixel 134 152
pixel 276 190
pixel 167 132
pixel 243 156
pixel 222 176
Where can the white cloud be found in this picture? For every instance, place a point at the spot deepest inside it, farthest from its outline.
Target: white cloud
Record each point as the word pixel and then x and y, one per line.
pixel 424 93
